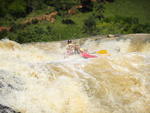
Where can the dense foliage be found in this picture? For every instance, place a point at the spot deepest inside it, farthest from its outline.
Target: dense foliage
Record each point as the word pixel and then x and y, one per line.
pixel 85 21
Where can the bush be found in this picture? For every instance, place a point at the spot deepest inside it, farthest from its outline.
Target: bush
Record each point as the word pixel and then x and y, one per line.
pixel 39 30
pixel 98 10
pixel 16 27
pixel 7 20
pixel 28 36
pixel 3 34
pixel 67 21
pixel 34 21
pixel 122 25
pixel 49 29
pixel 89 26
pixel 120 19
pixel 17 8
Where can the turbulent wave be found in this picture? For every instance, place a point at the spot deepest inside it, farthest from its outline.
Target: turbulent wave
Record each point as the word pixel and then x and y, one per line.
pixel 37 78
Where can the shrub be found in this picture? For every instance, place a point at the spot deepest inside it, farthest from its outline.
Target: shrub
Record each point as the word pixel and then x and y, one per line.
pixel 17 8
pixel 3 34
pixel 16 27
pixel 98 10
pixel 89 26
pixel 34 21
pixel 39 30
pixel 67 21
pixel 123 25
pixel 33 33
pixel 49 29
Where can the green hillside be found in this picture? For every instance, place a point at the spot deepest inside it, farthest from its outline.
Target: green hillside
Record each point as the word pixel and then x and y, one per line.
pixel 31 20
pixel 134 8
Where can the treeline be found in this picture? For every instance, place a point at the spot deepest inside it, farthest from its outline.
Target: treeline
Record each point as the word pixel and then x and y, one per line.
pixel 21 8
pixel 74 19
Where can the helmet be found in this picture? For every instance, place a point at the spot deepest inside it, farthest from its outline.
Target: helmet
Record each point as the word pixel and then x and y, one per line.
pixel 69 41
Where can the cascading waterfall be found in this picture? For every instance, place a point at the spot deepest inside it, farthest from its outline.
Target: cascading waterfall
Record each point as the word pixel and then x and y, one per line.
pixel 36 78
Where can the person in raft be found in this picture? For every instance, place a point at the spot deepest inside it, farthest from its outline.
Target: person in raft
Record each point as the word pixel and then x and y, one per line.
pixel 72 48
pixel 75 49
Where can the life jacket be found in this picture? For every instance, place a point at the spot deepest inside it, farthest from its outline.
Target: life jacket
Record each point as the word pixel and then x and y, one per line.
pixel 70 49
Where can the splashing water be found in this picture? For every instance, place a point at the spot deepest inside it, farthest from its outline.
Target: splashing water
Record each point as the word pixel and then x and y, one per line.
pixel 36 78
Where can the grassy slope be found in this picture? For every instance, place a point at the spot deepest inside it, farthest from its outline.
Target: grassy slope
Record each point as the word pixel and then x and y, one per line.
pixel 64 31
pixel 59 31
pixel 134 8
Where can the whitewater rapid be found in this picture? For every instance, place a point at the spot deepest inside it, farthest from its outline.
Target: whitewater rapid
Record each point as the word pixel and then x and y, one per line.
pixel 37 78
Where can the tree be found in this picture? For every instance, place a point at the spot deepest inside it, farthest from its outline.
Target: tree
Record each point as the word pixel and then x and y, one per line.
pixel 98 9
pixel 17 8
pixel 33 5
pixel 87 5
pixel 89 26
pixel 2 8
pixel 63 4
